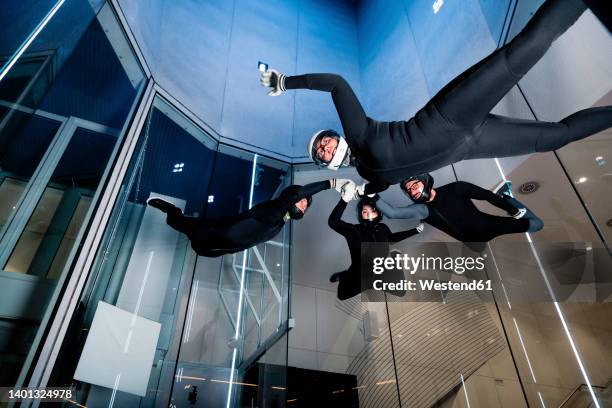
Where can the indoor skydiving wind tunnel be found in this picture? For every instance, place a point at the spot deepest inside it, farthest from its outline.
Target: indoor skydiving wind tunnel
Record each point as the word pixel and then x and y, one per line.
pixel 106 104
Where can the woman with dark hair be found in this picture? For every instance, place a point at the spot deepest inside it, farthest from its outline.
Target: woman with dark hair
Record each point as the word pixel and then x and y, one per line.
pixel 366 240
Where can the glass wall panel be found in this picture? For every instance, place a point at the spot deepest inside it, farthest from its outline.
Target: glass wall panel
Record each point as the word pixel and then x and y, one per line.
pixel 590 170
pixel 548 365
pixel 64 73
pixel 143 272
pixel 221 309
pixel 58 137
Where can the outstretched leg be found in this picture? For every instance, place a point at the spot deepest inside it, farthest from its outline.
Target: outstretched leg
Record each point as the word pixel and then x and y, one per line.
pixel 501 136
pixel 467 99
pixel 175 218
pixel 535 223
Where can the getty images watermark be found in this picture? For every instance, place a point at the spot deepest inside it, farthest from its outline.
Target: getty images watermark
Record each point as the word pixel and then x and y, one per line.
pixel 510 271
pixel 412 264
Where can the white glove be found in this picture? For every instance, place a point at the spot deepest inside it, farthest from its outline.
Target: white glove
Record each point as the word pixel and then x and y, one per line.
pixel 275 80
pixel 338 183
pixel 420 227
pixel 349 191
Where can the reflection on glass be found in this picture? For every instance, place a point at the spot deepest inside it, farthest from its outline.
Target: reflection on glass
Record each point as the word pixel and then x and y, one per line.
pixel 589 164
pixel 35 231
pixel 10 191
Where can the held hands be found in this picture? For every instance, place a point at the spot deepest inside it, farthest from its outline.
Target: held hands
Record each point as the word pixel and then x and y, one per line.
pixel 338 183
pixel 420 227
pixel 349 192
pixel 361 191
pixel 274 80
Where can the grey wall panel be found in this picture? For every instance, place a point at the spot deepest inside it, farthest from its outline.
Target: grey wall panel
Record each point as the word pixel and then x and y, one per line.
pixel 574 74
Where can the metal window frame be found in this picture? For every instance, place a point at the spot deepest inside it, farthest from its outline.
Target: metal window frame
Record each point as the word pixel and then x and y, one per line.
pixel 40 179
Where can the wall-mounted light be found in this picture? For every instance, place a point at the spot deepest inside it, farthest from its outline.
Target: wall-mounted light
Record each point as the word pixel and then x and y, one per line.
pixel 178 167
pixel 600 161
pixel 582 180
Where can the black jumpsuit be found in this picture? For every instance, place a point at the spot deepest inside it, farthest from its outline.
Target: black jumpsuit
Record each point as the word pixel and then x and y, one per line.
pixel 226 235
pixel 453 212
pixel 456 124
pixel 375 240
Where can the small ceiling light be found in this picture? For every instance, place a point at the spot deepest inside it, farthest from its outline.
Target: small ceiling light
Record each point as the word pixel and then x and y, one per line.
pixel 600 161
pixel 211 198
pixel 178 167
pixel 582 180
pixel 437 6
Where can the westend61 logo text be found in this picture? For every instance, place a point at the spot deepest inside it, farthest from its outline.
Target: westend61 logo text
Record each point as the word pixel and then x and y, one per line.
pixel 425 263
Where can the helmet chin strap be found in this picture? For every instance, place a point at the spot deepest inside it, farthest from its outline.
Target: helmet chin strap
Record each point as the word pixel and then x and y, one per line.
pixel 342 152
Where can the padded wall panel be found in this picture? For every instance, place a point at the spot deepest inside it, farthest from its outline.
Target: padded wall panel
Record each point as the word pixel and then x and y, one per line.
pixel 261 31
pixel 392 76
pixel 192 61
pixel 327 42
pixel 146 23
pixel 449 41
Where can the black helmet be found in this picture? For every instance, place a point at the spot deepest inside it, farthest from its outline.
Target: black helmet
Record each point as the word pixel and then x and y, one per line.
pixel 371 202
pixel 294 212
pixel 428 182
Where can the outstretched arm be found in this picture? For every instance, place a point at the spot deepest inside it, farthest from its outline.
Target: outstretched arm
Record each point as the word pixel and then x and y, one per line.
pixel 375 187
pixel 478 193
pixel 418 211
pixel 335 219
pixel 290 196
pixel 352 115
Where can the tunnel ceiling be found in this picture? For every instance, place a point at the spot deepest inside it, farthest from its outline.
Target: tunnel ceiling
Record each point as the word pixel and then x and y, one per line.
pixel 395 53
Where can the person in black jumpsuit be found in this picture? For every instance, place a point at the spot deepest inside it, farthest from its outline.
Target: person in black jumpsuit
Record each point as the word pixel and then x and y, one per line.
pixel 450 209
pixel 368 231
pixel 214 237
pixel 456 124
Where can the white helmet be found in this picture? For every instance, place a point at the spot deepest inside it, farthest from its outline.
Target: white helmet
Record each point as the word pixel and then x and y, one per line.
pixel 341 149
